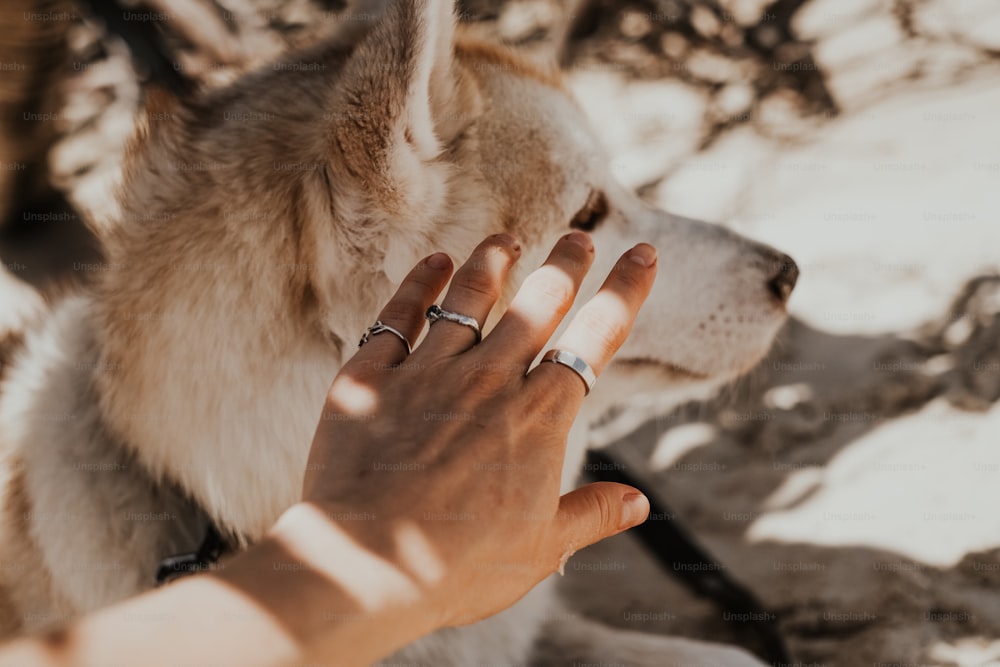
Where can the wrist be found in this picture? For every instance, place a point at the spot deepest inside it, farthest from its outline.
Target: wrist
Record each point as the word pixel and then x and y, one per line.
pixel 336 585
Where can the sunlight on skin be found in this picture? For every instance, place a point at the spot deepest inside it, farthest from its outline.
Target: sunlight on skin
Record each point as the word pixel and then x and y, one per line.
pixel 354 398
pixel 269 607
pixel 591 342
pixel 230 612
pixel 536 308
pixel 418 554
pixel 373 582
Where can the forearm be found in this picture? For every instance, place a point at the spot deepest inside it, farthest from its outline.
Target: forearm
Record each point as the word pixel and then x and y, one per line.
pixel 270 606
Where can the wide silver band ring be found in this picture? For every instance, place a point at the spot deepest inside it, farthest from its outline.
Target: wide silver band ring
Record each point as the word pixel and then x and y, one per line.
pixel 574 363
pixel 436 313
pixel 380 327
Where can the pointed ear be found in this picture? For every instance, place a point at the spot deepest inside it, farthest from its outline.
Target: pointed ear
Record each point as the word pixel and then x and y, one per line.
pixel 397 93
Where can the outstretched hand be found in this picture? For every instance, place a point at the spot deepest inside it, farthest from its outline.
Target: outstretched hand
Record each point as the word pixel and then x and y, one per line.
pixel 446 462
pixel 432 493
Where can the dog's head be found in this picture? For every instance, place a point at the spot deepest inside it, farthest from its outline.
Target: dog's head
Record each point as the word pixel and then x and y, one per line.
pixel 277 215
pixel 487 141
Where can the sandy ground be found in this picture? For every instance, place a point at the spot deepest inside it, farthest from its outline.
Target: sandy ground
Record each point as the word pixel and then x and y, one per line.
pixel 852 480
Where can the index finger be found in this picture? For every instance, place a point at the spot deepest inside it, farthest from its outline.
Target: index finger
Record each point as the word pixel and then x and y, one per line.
pixel 601 326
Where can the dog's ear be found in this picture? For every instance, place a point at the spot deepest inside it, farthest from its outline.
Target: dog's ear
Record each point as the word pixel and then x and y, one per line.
pixel 398 96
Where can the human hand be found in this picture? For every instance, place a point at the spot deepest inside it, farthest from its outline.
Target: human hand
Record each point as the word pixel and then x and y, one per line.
pixel 432 493
pixel 446 464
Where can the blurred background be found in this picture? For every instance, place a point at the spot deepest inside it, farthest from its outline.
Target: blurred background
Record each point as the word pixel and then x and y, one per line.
pixel 853 480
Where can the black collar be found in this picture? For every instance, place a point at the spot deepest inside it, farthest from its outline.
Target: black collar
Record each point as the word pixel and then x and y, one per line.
pixel 212 548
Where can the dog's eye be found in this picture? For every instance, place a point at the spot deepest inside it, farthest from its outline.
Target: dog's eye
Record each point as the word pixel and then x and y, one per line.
pixel 592 213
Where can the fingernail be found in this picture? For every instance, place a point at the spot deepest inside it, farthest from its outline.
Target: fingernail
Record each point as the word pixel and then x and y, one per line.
pixel 580 239
pixel 439 261
pixel 643 255
pixel 636 508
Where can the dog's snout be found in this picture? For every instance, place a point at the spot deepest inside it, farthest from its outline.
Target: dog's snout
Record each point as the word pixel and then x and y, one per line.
pixel 784 275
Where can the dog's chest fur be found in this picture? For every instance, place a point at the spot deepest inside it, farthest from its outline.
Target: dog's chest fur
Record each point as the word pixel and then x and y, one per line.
pixel 84 522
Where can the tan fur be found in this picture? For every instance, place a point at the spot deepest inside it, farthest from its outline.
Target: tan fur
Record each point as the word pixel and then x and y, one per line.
pixel 490 55
pixel 27 599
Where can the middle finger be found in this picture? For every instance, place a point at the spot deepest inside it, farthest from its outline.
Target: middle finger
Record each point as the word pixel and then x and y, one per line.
pixel 474 289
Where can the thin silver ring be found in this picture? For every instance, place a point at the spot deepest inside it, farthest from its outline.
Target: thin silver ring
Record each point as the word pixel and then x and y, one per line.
pixel 435 313
pixel 380 327
pixel 574 363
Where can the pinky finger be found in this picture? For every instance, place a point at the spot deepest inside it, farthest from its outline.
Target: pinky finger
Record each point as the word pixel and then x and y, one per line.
pixel 601 326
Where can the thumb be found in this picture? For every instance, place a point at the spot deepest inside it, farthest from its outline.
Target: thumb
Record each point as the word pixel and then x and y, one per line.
pixel 596 511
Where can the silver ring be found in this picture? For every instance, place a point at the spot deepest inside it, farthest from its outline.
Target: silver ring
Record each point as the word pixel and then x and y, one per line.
pixel 435 313
pixel 574 363
pixel 378 328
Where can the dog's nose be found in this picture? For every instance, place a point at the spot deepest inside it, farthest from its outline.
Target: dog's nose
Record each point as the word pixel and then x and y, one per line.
pixel 783 278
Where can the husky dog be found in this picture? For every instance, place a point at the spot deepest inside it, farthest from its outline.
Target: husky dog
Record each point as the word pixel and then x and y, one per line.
pixel 258 231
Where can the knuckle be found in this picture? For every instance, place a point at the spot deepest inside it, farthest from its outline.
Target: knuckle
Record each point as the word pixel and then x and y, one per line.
pixel 556 291
pixel 629 275
pixel 603 511
pixel 479 281
pixel 552 409
pixel 339 396
pixel 608 331
pixel 576 258
pixel 483 380
pixel 423 284
pixel 401 311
